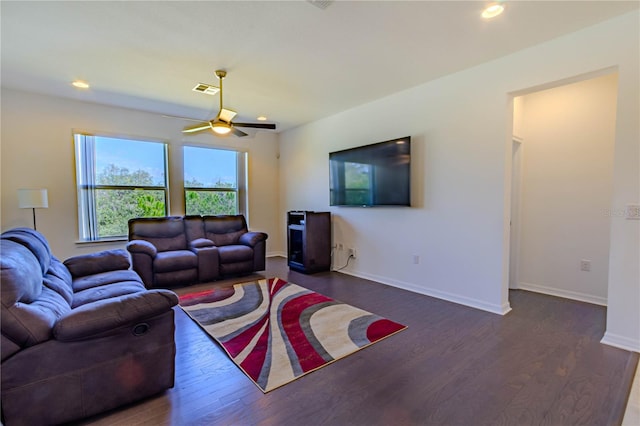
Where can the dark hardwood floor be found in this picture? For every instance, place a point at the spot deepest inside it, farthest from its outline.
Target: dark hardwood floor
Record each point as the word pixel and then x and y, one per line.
pixel 541 364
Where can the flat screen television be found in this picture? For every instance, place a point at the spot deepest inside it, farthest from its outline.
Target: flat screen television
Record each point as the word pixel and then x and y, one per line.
pixel 372 175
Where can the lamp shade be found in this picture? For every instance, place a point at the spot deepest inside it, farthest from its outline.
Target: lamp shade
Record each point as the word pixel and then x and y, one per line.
pixel 33 199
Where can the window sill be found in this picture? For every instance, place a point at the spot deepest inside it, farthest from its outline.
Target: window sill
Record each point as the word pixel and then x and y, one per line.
pixel 102 241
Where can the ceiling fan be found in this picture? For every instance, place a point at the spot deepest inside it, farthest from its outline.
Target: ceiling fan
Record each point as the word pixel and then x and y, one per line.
pixel 222 124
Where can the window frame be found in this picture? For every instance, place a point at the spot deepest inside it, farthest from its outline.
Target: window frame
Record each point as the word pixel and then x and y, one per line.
pixel 88 230
pixel 241 189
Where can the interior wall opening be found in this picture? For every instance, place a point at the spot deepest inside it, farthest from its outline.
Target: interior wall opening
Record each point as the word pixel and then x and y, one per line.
pixel 561 188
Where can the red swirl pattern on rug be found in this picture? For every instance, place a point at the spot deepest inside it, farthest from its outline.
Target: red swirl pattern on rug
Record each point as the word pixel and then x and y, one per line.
pixel 277 331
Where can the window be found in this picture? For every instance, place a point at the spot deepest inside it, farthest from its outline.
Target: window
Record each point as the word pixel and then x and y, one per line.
pixel 118 179
pixel 214 181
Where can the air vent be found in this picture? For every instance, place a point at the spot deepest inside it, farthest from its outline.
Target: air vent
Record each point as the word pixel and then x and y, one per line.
pixel 206 88
pixel 321 4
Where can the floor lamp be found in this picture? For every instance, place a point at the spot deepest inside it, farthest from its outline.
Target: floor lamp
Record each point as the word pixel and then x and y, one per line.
pixel 33 199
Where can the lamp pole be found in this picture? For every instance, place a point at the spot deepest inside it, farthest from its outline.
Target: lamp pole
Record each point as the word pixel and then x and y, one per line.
pixel 34 218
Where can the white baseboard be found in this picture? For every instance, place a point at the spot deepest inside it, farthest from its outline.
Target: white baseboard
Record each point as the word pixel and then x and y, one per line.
pixel 438 294
pixel 621 342
pixel 276 254
pixel 566 294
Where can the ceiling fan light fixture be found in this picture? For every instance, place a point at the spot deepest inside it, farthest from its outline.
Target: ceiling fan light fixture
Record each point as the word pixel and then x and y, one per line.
pixel 220 127
pixel 80 84
pixel 492 10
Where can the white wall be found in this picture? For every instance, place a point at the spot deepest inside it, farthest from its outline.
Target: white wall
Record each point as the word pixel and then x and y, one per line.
pixel 567 182
pixel 462 128
pixel 37 152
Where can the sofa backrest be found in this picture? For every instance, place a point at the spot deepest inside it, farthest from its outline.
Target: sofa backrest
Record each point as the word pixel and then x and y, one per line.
pixel 165 233
pixel 36 289
pixel 193 227
pixel 34 241
pixel 224 229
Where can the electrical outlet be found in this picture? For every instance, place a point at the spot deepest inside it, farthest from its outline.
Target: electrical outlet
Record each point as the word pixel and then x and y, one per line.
pixel 416 259
pixel 351 252
pixel 585 265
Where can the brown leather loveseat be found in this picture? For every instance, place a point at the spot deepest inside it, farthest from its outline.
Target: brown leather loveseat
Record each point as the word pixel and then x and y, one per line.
pixel 78 337
pixel 179 250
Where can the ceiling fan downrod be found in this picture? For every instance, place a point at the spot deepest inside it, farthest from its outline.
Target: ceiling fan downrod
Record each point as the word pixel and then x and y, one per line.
pixel 221 74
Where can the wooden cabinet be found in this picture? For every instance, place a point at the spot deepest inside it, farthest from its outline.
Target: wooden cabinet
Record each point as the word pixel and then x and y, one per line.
pixel 309 241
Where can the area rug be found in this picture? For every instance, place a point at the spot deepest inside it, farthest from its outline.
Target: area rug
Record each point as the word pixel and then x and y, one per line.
pixel 277 331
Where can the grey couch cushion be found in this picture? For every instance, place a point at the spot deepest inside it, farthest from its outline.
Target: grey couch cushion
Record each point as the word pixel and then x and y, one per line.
pixel 177 260
pixel 20 275
pixel 93 294
pixel 27 324
pixel 34 242
pixel 58 279
pixel 224 230
pixel 235 253
pixel 29 308
pixel 105 278
pixel 95 263
pixel 164 233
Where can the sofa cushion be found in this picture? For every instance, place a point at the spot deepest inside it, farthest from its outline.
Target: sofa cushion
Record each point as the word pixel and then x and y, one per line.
pixel 193 227
pixel 35 242
pixel 109 314
pixel 106 292
pixel 20 274
pixel 165 233
pixel 27 324
pixel 224 230
pixel 58 279
pixel 29 309
pixel 175 278
pixel 235 253
pixel 95 263
pixel 105 278
pixel 175 260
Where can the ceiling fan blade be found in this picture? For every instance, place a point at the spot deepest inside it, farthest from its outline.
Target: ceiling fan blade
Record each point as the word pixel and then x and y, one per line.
pixel 226 115
pixel 238 132
pixel 181 118
pixel 197 128
pixel 256 125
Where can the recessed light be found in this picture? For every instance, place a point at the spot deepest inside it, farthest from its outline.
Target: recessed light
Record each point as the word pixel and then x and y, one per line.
pixel 492 11
pixel 80 84
pixel 262 118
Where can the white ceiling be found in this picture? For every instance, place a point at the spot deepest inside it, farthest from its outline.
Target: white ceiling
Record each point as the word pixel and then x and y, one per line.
pixel 289 60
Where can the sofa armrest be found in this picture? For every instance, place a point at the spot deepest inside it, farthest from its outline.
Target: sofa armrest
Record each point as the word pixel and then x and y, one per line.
pixel 142 246
pixel 201 243
pixel 142 255
pixel 208 262
pixel 96 263
pixel 101 316
pixel 252 238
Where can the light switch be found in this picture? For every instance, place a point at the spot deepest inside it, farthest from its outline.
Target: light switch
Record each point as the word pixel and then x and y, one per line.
pixel 632 211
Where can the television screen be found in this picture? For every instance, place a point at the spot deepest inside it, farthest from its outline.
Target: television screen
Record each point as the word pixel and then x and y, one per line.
pixel 372 175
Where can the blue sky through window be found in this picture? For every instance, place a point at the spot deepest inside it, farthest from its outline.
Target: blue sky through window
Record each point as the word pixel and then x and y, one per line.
pixel 210 166
pixel 132 155
pixel 207 166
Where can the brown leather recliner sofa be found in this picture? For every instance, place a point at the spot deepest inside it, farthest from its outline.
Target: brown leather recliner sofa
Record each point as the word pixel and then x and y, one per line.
pixel 178 250
pixel 79 337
